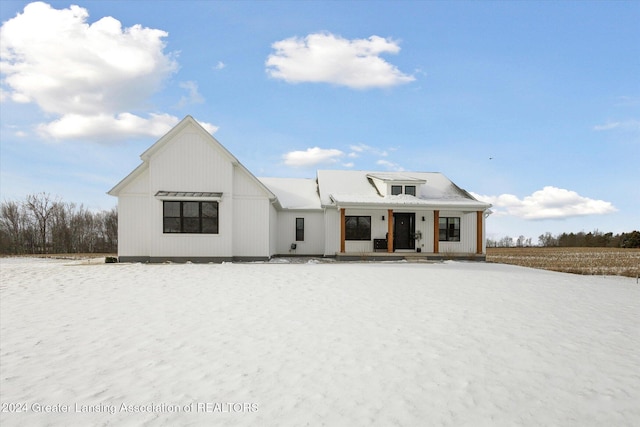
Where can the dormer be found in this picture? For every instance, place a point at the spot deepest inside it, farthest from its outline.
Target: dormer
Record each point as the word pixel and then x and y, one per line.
pixel 395 184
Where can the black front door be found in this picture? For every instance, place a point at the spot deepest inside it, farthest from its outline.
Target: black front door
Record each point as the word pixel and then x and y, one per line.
pixel 404 227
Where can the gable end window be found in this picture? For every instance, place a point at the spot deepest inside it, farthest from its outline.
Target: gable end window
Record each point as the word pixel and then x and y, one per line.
pixel 357 227
pixel 299 229
pixel 449 229
pixel 410 190
pixel 396 189
pixel 190 217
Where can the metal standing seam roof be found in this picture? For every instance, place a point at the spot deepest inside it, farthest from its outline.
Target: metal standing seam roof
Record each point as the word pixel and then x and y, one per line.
pixel 194 194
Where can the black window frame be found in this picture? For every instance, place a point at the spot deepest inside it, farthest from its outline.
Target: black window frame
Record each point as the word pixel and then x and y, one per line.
pixel 450 233
pixel 299 229
pixel 362 229
pixel 403 189
pixel 190 224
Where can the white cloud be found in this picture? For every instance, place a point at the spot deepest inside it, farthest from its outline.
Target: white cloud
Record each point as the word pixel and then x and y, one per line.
pixel 106 127
pixel 54 58
pixel 209 127
pixel 625 125
pixel 312 156
pixel 326 58
pixel 85 74
pixel 219 66
pixel 548 203
pixel 390 165
pixel 607 126
pixel 356 150
pixel 193 96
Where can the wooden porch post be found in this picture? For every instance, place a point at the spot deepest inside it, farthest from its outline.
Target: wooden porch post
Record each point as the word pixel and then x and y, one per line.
pixel 436 231
pixel 342 230
pixel 390 230
pixel 479 215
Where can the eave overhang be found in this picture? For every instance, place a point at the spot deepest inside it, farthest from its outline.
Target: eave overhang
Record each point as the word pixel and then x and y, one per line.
pixel 406 202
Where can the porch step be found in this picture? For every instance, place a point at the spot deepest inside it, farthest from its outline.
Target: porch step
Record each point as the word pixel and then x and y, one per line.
pixel 407 256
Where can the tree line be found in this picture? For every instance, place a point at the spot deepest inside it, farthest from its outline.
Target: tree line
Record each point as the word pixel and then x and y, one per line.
pixel 43 224
pixel 566 240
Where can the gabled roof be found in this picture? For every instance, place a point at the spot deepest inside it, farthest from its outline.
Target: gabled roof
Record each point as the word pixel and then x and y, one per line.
pixel 158 145
pixel 332 187
pixel 354 188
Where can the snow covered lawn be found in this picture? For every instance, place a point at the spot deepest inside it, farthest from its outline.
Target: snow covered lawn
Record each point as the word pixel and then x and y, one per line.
pixel 335 344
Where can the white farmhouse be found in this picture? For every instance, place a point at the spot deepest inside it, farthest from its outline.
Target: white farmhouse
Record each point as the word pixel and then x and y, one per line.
pixel 192 200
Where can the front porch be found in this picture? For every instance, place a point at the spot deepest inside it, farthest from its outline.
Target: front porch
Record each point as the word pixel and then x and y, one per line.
pixel 410 233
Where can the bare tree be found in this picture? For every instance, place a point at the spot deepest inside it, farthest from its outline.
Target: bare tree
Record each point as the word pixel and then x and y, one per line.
pixel 12 224
pixel 109 220
pixel 547 240
pixel 42 206
pixel 44 224
pixel 506 242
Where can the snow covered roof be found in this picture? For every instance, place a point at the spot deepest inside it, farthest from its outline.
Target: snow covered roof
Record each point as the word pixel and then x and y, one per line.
pixel 294 193
pixel 395 177
pixel 347 187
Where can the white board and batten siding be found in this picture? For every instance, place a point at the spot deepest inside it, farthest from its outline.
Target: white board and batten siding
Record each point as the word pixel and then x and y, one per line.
pixel 313 243
pixel 252 211
pixel 133 216
pixel 273 230
pixel 426 228
pixel 468 226
pixel 332 231
pixel 251 227
pixel 133 225
pixel 191 163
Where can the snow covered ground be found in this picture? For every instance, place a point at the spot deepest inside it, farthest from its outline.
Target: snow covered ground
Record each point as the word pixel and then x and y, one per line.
pixel 335 344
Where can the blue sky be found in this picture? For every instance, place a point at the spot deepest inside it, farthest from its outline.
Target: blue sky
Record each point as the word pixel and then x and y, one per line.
pixel 532 106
